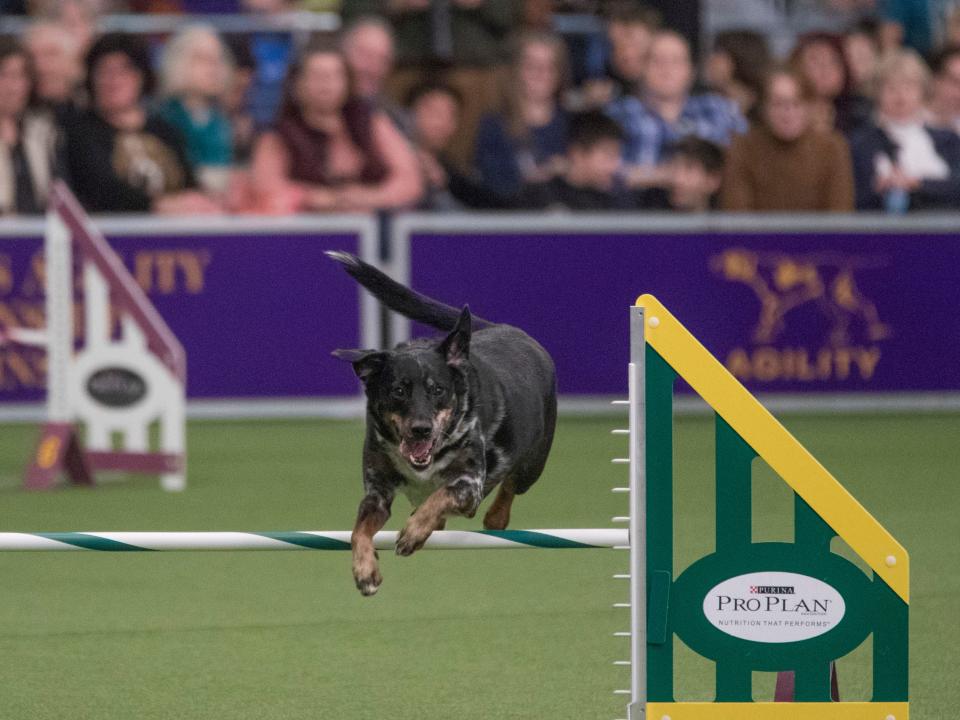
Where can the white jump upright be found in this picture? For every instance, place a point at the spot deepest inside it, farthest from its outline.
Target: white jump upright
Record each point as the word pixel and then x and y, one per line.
pixel 638 517
pixel 117 382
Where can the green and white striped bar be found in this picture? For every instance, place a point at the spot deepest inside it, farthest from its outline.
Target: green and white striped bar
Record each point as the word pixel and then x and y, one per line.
pixel 580 538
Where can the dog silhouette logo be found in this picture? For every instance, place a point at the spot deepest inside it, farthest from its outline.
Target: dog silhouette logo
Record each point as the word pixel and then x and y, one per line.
pixel 782 283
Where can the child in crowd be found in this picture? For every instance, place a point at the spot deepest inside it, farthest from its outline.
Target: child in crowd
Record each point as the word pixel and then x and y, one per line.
pixel 694 175
pixel 590 180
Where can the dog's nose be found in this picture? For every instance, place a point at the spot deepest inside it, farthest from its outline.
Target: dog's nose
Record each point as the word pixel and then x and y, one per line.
pixel 421 431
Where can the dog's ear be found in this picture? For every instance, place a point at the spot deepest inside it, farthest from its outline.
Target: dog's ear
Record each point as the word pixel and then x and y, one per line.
pixel 456 346
pixel 366 363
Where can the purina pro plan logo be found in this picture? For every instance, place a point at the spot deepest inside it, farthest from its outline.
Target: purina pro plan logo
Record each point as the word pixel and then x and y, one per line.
pixel 774 607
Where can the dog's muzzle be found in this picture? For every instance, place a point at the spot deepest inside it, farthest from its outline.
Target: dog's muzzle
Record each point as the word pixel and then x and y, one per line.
pixel 418 452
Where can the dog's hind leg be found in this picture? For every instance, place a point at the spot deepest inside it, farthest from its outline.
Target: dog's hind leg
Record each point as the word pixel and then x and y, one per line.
pixel 498 516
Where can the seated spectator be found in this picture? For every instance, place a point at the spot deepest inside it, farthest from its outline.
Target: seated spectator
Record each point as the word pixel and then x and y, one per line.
pixel 819 58
pixel 950 32
pixel 462 43
pixel 523 144
pixel 785 163
pixel 899 162
pixel 590 180
pixel 910 20
pixel 368 47
pixel 79 17
pixel 861 50
pixel 434 110
pixel 57 65
pixel 618 68
pixel 236 101
pixel 667 111
pixel 737 66
pixel 273 51
pixel 119 158
pixel 945 99
pixel 329 150
pixel 28 138
pixel 694 172
pixel 194 79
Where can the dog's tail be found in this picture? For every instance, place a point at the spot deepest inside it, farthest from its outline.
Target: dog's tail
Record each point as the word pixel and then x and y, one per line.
pixel 400 298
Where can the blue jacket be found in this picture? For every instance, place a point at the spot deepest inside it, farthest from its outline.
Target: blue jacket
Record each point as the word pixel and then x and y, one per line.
pixel 870 140
pixel 498 156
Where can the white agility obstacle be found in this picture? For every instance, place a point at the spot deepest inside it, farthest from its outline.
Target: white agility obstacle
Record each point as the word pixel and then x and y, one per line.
pixel 817 605
pixel 116 381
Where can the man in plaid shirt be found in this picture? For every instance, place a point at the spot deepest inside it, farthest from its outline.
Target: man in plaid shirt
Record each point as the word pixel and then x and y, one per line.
pixel 666 111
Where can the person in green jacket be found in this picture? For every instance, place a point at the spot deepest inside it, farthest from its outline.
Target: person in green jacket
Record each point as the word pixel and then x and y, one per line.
pixel 195 76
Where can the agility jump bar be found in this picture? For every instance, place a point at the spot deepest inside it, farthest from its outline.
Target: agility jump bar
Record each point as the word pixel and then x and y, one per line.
pixel 568 539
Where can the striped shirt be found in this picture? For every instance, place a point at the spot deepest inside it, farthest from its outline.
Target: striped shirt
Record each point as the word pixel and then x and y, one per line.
pixel 711 117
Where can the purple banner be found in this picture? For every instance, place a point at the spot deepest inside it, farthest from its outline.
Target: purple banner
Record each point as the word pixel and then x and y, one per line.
pixel 829 312
pixel 258 315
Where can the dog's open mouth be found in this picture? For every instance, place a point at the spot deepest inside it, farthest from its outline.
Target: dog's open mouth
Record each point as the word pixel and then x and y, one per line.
pixel 418 452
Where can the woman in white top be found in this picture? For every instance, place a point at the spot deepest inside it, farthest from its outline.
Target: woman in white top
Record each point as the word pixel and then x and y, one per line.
pixel 900 162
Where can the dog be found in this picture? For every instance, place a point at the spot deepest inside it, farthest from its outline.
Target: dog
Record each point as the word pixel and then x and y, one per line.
pixel 448 420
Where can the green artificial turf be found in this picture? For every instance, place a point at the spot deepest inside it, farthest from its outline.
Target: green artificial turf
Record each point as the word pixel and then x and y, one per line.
pixel 451 635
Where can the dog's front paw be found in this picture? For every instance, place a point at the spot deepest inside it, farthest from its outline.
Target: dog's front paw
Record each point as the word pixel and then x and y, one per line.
pixel 366 574
pixel 412 538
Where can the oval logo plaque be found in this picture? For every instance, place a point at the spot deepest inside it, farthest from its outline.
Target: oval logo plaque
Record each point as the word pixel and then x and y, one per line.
pixel 774 607
pixel 116 387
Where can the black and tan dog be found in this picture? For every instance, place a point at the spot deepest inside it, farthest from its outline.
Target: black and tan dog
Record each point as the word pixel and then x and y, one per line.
pixel 448 420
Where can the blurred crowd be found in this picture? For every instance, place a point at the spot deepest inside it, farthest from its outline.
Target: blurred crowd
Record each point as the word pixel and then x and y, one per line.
pixel 479 104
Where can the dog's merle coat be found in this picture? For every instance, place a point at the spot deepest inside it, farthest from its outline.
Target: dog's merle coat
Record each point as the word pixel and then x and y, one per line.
pixel 448 420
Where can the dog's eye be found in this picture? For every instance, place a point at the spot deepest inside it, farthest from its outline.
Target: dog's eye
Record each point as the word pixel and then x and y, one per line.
pixel 399 391
pixel 438 390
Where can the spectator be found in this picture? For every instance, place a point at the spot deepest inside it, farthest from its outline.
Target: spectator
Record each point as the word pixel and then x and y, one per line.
pixel 28 138
pixel 861 51
pixel 695 174
pixel 57 64
pixel 945 100
pixel 819 58
pixel 459 42
pixel 619 68
pixel 272 51
pixel 737 66
pixel 236 102
pixel 119 158
pixel 194 79
pixel 785 163
pixel 590 180
pixel 524 143
pixel 899 162
pixel 910 21
pixel 368 47
pixel 434 110
pixel 950 32
pixel 667 111
pixel 79 17
pixel 329 150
